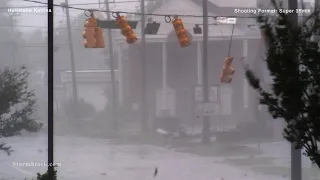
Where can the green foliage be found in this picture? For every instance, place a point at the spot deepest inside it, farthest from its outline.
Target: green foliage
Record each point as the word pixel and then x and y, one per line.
pixel 293 62
pixel 17 105
pixel 83 110
pixel 46 176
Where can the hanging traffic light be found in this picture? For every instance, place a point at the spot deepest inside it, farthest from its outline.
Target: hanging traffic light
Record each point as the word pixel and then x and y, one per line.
pixel 88 33
pixel 227 71
pixel 197 29
pixel 126 29
pixel 98 33
pixel 92 34
pixel 181 32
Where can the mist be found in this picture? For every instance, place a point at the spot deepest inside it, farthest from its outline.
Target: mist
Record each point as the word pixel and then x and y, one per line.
pixel 148 123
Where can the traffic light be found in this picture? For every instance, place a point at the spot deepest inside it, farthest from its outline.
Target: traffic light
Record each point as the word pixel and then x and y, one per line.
pixel 227 71
pixel 197 29
pixel 98 33
pixel 181 32
pixel 93 34
pixel 126 29
pixel 88 33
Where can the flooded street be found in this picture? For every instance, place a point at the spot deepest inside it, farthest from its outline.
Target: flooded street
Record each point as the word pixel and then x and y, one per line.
pixel 83 158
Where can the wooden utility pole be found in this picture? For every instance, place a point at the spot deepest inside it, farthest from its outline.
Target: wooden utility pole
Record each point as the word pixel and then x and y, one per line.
pixel 296 167
pixel 113 81
pixel 73 68
pixel 205 80
pixel 144 105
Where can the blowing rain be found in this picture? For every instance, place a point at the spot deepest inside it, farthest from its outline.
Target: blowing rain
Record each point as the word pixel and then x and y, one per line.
pixel 158 89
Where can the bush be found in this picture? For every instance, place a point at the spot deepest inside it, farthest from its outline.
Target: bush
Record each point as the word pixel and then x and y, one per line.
pixel 45 176
pixel 17 105
pixel 83 110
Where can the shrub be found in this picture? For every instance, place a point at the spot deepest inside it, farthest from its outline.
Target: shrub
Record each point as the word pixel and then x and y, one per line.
pixel 83 110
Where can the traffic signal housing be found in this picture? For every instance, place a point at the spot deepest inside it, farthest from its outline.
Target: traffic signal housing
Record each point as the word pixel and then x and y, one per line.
pixel 197 29
pixel 227 70
pixel 92 34
pixel 182 33
pixel 126 30
pixel 88 33
pixel 152 28
pixel 98 33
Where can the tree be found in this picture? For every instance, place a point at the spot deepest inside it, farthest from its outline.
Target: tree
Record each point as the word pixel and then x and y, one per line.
pixel 11 39
pixel 293 62
pixel 17 105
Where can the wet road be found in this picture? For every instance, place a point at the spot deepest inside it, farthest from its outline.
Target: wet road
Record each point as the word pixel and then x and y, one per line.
pixel 83 159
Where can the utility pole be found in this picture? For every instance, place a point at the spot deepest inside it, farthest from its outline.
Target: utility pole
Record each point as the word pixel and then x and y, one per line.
pixel 73 68
pixel 144 104
pixel 113 81
pixel 296 167
pixel 206 119
pixel 13 41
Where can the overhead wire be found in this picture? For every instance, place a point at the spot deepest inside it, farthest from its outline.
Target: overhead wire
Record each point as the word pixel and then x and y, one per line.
pixel 230 43
pixel 138 13
pixel 77 4
pixel 81 29
pixel 134 13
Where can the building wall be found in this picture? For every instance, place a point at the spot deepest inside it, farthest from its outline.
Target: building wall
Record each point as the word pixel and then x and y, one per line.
pixel 182 76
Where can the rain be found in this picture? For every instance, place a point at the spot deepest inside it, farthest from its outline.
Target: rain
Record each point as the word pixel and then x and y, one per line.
pixel 132 103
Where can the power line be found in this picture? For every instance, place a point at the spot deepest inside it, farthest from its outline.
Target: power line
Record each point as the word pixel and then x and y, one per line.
pixel 12 7
pixel 78 4
pixel 137 13
pixel 76 29
pixel 45 14
pixel 111 2
pixel 42 27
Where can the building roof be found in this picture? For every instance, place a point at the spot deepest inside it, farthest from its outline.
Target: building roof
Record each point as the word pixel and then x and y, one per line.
pixel 234 3
pixel 226 7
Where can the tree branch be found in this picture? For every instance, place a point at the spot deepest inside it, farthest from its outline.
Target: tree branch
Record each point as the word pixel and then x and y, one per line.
pixel 6 149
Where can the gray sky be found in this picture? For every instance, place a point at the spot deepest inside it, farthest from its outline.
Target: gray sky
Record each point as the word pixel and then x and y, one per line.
pixel 39 20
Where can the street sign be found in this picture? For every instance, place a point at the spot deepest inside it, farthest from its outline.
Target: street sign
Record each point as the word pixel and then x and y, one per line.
pixel 226 100
pixel 225 20
pixel 209 109
pixel 167 102
pixel 113 25
pixel 213 93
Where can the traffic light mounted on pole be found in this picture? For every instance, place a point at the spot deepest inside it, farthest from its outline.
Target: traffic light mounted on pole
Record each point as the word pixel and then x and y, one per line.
pixel 92 34
pixel 181 32
pixel 126 29
pixel 227 71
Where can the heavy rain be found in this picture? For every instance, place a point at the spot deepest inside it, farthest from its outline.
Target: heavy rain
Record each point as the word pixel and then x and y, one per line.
pixel 142 89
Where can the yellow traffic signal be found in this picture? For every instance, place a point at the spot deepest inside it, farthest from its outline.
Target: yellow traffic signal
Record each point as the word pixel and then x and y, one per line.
pixel 99 37
pixel 88 33
pixel 181 32
pixel 126 30
pixel 227 71
pixel 92 34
